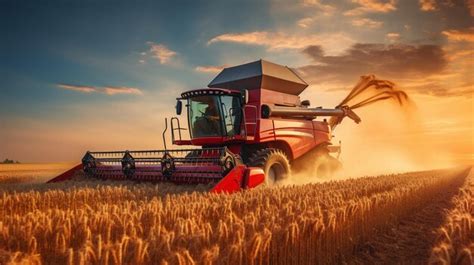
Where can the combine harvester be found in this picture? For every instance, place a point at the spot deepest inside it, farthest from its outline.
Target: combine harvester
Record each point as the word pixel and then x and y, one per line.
pixel 251 126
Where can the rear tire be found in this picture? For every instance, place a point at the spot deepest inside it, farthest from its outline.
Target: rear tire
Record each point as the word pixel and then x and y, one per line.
pixel 274 163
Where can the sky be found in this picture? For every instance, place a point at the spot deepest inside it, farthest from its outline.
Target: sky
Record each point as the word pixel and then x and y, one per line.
pixel 92 75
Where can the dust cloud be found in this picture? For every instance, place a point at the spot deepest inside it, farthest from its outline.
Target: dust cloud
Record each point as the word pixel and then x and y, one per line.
pixel 390 139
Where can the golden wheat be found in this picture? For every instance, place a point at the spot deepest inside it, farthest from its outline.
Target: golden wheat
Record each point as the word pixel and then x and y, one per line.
pixel 22 173
pixel 124 223
pixel 455 243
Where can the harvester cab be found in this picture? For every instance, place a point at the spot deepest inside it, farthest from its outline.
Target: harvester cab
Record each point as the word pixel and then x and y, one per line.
pixel 250 126
pixel 214 116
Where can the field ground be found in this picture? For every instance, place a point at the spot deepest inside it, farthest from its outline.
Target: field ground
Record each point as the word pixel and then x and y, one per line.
pixel 411 218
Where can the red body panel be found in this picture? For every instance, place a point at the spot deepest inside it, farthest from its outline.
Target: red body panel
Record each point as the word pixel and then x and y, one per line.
pixel 240 177
pixel 298 134
pixel 256 176
pixel 265 132
pixel 209 141
pixel 273 97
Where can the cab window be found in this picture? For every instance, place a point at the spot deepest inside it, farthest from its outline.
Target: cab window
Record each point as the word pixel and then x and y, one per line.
pixel 232 113
pixel 204 117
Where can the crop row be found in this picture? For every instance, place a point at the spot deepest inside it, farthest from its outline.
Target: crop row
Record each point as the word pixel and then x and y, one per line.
pixel 455 243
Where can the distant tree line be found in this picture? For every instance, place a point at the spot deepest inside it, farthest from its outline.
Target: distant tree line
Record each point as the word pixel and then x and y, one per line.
pixel 8 161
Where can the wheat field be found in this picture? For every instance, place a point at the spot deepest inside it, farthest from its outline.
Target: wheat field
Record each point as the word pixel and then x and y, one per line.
pixel 23 173
pixel 95 222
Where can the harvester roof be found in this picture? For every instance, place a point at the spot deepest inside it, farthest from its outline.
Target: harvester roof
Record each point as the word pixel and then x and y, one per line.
pixel 260 74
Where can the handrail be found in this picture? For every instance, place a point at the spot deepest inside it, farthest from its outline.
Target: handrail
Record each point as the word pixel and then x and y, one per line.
pixel 164 133
pixel 173 129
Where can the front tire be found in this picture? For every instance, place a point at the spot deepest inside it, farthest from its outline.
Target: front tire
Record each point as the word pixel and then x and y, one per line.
pixel 274 163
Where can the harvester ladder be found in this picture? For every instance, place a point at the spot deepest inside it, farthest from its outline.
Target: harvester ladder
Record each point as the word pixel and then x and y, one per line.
pixel 249 123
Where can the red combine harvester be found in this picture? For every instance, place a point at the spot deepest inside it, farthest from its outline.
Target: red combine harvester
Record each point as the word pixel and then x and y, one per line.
pixel 251 126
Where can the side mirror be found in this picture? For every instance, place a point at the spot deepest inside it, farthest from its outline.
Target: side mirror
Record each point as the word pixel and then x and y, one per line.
pixel 245 96
pixel 179 107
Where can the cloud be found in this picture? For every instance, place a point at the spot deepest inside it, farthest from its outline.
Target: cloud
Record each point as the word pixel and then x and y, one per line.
pixel 160 52
pixel 371 6
pixel 428 5
pixel 305 22
pixel 108 90
pixel 393 36
pixel 317 10
pixel 277 40
pixel 256 37
pixel 209 68
pixel 459 54
pixel 367 22
pixel 82 89
pixel 460 35
pixel 395 61
pixel 325 8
